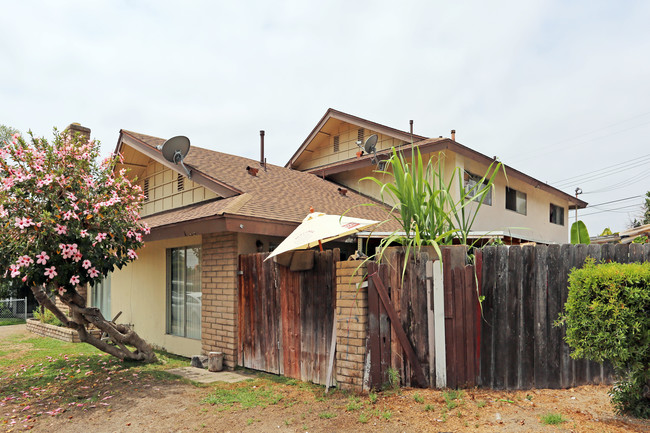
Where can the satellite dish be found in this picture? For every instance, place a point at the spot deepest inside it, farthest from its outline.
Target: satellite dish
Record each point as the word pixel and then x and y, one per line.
pixel 370 147
pixel 175 149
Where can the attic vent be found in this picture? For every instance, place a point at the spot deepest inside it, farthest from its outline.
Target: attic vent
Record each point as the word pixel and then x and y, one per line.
pixel 360 134
pixel 180 182
pixel 145 190
pixel 336 143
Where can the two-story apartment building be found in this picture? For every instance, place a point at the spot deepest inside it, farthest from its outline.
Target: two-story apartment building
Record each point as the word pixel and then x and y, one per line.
pixel 520 208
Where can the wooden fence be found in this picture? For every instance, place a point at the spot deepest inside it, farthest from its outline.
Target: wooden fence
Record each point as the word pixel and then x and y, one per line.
pixel 525 290
pixel 286 318
pixel 401 309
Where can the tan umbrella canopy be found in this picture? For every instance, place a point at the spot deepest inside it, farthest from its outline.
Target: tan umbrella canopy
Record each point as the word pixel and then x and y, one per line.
pixel 317 228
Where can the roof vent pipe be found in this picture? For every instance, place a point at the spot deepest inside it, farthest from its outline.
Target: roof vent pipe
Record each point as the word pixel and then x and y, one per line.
pixel 453 134
pixel 411 124
pixel 262 160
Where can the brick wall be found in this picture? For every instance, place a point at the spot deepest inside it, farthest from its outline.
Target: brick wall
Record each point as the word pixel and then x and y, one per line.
pixel 58 332
pixel 219 300
pixel 352 325
pixel 82 290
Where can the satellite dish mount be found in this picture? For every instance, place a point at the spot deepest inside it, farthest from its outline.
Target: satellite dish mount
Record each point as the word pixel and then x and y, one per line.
pixel 175 149
pixel 370 147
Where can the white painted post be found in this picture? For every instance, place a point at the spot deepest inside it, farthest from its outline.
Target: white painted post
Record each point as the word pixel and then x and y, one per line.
pixel 25 309
pixel 439 323
pixel 430 325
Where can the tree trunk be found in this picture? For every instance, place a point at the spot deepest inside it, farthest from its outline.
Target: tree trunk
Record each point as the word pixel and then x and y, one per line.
pixel 81 317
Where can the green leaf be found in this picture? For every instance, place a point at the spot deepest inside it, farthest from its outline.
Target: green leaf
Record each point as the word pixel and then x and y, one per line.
pixel 579 233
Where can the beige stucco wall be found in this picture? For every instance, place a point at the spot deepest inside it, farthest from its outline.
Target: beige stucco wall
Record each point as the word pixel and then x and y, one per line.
pixel 139 290
pixel 535 225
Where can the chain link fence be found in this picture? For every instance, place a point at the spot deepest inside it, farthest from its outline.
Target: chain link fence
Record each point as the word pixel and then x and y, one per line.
pixel 13 309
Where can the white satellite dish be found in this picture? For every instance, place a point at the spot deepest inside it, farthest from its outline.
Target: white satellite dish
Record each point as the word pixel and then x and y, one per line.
pixel 175 149
pixel 370 147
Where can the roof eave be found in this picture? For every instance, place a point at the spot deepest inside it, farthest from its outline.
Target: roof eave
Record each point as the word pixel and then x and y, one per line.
pixel 198 176
pixel 436 145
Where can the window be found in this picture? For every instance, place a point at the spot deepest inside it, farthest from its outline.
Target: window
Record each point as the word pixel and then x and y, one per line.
pixel 472 187
pixel 516 200
pixel 557 214
pixel 184 292
pixel 101 296
pixel 336 143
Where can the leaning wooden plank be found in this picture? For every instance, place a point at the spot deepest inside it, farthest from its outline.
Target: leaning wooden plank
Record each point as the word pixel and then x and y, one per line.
pixel 401 335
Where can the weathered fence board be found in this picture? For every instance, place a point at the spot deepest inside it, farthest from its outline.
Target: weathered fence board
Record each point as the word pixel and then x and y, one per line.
pixel 286 318
pixel 527 287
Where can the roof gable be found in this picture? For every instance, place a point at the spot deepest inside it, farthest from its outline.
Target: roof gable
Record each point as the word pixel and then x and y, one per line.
pixel 274 193
pixel 329 124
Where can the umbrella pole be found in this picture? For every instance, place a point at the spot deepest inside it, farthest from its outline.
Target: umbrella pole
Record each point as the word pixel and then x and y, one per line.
pixel 320 244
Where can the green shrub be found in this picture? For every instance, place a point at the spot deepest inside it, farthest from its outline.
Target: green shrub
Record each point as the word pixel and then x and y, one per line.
pixel 47 317
pixel 607 316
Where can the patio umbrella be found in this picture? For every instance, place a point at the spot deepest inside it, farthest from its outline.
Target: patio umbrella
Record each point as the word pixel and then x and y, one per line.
pixel 317 228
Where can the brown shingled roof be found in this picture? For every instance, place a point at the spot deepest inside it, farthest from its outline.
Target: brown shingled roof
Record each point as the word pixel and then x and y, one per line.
pixel 275 193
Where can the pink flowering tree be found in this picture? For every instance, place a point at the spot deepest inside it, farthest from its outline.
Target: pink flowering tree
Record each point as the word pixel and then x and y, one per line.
pixel 67 221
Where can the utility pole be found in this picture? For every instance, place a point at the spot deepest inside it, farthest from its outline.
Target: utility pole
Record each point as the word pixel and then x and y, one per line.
pixel 578 191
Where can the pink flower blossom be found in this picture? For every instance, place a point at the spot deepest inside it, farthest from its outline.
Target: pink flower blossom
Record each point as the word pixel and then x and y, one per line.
pixel 42 258
pixel 23 222
pixel 93 273
pixel 50 272
pixel 69 214
pixel 86 264
pixel 100 237
pixel 62 290
pixel 61 230
pixel 15 270
pixel 25 261
pixel 77 256
pixel 83 233
pixel 74 280
pixel 131 254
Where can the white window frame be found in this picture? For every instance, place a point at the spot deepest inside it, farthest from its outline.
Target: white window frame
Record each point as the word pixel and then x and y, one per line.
pixel 520 197
pixel 187 311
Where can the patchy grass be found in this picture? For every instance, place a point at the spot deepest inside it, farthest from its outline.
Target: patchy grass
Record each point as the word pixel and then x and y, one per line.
pixel 452 398
pixel 418 398
pixel 46 376
pixel 11 321
pixel 326 415
pixel 552 419
pixel 243 396
pixel 354 403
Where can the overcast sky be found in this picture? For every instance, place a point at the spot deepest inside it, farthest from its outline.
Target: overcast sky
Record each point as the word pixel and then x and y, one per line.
pixel 556 89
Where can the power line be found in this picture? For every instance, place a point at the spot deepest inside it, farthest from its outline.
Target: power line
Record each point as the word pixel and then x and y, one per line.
pixel 616 201
pixel 547 149
pixel 573 179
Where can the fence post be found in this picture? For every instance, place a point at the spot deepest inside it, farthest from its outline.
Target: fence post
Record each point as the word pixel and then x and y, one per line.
pixel 25 309
pixel 439 324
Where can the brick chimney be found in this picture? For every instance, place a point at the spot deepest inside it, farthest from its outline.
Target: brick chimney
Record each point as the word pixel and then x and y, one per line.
pixel 75 128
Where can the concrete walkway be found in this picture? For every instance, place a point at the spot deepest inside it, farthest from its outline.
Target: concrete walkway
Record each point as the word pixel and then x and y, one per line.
pixel 6 331
pixel 202 375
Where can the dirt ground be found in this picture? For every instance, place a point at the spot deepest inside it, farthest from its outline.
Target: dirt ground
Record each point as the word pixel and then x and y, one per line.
pixel 158 403
pixel 177 407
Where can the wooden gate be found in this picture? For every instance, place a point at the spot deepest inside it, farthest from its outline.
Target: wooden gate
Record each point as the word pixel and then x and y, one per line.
pixel 402 326
pixel 286 318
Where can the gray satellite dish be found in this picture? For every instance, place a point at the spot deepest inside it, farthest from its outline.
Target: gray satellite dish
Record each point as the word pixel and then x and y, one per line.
pixel 175 149
pixel 370 147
